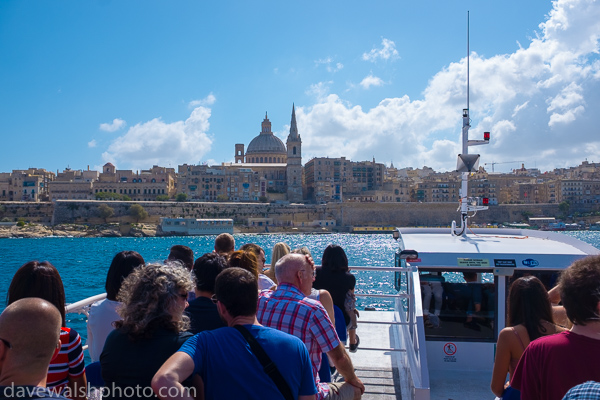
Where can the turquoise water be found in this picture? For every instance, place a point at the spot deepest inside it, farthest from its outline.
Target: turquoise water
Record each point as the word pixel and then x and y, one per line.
pixel 83 262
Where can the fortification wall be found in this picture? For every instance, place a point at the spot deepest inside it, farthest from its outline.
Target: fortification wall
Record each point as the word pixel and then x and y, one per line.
pixel 346 214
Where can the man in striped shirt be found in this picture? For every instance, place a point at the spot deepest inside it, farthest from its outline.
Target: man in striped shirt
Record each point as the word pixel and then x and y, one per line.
pixel 289 310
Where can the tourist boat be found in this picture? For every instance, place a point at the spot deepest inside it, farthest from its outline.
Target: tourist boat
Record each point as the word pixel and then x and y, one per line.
pixel 402 356
pixel 193 226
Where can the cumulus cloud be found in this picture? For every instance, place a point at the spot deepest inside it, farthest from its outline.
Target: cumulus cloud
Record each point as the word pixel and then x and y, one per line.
pixel 371 80
pixel 207 101
pixel 116 124
pixel 92 143
pixel 533 100
pixel 156 142
pixel 386 52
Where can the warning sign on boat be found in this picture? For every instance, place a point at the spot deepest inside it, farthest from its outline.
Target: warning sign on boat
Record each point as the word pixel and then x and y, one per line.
pixel 473 262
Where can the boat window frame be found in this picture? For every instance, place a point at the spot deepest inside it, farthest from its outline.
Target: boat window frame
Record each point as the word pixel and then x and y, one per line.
pixel 456 338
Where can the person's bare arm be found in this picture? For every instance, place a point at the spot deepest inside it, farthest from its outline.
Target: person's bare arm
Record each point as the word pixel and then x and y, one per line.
pixel 554 295
pixel 78 387
pixel 167 380
pixel 308 397
pixel 327 301
pixel 501 363
pixel 343 364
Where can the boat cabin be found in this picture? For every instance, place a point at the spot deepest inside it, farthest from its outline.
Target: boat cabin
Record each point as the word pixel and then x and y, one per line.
pixel 460 286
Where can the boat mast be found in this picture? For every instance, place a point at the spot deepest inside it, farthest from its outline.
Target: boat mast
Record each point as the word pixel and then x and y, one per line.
pixel 467 163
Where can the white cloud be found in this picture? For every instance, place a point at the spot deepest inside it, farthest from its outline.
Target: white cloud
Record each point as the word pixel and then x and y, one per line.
pixel 536 101
pixel 371 80
pixel 386 52
pixel 319 90
pixel 159 143
pixel 92 143
pixel 329 64
pixel 207 101
pixel 116 124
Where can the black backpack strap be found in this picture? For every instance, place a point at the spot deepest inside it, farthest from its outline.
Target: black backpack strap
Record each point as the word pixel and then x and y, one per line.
pixel 268 365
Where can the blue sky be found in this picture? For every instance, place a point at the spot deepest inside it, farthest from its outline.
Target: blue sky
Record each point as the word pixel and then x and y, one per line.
pixel 140 83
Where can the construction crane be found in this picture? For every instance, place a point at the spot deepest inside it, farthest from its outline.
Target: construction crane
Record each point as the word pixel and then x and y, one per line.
pixel 503 162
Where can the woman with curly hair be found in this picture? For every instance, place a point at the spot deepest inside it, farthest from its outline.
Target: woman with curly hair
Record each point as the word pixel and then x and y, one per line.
pixel 529 317
pixel 152 328
pixel 66 373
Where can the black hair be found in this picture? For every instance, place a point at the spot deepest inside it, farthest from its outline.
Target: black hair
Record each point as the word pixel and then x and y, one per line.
pixel 206 269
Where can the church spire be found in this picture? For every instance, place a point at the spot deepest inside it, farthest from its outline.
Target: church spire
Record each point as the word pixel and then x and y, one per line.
pixel 293 126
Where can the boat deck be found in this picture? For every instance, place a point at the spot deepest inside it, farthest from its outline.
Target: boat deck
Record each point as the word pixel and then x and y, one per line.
pixel 383 381
pixel 375 367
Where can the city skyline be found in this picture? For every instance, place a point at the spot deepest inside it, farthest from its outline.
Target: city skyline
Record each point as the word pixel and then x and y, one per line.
pixel 150 83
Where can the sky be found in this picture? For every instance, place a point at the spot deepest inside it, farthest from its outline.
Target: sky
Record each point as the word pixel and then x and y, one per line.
pixel 143 82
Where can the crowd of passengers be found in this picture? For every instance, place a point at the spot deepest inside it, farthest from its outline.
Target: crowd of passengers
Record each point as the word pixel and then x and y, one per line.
pixel 222 326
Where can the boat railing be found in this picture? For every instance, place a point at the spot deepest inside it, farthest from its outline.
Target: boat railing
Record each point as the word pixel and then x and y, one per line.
pixel 407 327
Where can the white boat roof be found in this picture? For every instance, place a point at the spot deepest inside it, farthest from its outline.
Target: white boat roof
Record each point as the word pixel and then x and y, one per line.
pixel 489 248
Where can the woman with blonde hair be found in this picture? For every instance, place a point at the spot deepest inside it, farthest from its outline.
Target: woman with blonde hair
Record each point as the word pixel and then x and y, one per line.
pixel 279 250
pixel 152 328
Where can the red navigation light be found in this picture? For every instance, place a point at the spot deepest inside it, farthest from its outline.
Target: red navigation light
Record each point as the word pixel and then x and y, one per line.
pixel 486 136
pixel 485 201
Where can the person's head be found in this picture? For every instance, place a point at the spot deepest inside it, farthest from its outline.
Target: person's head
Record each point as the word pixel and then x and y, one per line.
pixel 154 296
pixel 579 287
pixel 297 270
pixel 29 337
pixel 224 244
pixel 258 252
pixel 529 304
pixel 470 276
pixel 237 290
pixel 302 250
pixel 206 269
pixel 38 279
pixel 121 266
pixel 244 259
pixel 279 250
pixel 334 259
pixel 183 254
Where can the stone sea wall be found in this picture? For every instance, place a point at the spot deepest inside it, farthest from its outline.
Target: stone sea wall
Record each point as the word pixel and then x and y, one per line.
pixel 346 214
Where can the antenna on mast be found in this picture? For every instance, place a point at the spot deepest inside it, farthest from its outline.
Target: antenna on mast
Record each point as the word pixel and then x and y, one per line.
pixel 468 163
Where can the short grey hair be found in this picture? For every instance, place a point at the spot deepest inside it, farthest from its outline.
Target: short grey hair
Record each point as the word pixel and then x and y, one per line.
pixel 287 266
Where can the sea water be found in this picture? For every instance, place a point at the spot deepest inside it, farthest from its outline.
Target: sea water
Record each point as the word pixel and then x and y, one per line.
pixel 83 262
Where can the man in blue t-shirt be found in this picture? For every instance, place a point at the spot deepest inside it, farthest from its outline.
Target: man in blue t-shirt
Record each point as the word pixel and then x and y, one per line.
pixel 223 358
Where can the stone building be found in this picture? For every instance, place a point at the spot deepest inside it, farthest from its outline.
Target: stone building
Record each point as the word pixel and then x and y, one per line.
pixel 25 185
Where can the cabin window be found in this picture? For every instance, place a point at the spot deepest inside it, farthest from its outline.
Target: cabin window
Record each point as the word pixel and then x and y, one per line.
pixel 465 304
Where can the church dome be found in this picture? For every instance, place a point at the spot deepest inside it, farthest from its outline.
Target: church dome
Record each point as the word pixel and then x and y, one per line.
pixel 266 144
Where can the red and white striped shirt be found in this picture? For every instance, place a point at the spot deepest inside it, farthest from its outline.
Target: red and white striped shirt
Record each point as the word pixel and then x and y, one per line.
pixel 68 362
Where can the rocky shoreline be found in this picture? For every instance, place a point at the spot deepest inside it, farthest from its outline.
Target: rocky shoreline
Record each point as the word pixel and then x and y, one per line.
pixel 117 230
pixel 77 230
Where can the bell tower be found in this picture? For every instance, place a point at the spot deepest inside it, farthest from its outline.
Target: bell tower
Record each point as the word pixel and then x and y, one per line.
pixel 294 162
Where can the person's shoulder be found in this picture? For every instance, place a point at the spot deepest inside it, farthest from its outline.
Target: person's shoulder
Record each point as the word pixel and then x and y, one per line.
pixel 265 293
pixel 550 340
pixel 69 335
pixel 276 336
